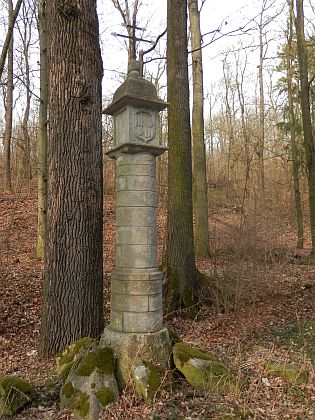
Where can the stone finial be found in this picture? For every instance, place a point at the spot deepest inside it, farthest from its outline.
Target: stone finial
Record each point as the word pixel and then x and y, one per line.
pixel 134 69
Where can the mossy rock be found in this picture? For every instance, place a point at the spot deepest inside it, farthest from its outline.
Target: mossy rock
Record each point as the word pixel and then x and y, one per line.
pixel 292 373
pixel 202 370
pixel 105 396
pixel 14 394
pixel 101 360
pixel 75 400
pixel 72 355
pixel 147 378
pixel 91 383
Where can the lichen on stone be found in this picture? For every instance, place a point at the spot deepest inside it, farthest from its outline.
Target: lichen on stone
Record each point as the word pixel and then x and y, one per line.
pixel 14 394
pixel 105 396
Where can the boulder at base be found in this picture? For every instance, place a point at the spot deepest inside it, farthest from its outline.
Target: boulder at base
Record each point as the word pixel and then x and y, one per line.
pixel 91 384
pixel 203 370
pixel 292 373
pixel 72 356
pixel 14 394
pixel 147 378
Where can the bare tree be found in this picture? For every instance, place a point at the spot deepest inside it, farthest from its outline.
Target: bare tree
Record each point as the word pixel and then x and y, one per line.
pixel 200 199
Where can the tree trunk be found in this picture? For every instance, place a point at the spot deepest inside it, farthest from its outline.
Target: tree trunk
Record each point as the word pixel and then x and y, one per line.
pixel 306 115
pixel 9 35
pixel 200 203
pixel 26 40
pixel 294 154
pixel 7 136
pixel 73 277
pixel 261 141
pixel 182 289
pixel 42 137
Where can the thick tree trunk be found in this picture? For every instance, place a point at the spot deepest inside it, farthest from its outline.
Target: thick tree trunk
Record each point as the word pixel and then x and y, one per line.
pixel 200 199
pixel 42 137
pixel 7 136
pixel 181 272
pixel 73 278
pixel 306 115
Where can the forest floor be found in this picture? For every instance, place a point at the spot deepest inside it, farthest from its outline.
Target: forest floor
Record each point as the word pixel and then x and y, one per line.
pixel 265 315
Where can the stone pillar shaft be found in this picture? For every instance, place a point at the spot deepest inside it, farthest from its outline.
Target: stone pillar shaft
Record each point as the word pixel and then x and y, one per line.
pixel 136 283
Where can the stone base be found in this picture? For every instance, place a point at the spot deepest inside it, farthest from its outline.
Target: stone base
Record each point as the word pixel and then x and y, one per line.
pixel 134 348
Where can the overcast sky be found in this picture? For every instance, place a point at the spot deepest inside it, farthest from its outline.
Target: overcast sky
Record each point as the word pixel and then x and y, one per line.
pixel 152 15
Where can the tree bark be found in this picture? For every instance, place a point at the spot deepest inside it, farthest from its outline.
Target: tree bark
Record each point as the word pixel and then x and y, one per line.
pixel 7 136
pixel 182 288
pixel 292 124
pixel 306 115
pixel 200 199
pixel 73 277
pixel 261 141
pixel 42 137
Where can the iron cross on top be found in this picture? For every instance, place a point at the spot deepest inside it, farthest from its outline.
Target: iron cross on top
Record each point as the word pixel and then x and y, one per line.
pixel 133 37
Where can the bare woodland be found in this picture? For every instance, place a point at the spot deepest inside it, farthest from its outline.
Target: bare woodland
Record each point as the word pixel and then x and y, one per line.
pixel 236 192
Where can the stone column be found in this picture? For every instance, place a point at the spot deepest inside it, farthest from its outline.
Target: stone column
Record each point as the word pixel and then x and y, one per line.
pixel 136 318
pixel 136 284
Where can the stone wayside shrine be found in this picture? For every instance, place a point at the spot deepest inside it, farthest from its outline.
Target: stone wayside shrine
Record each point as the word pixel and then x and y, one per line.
pixel 136 331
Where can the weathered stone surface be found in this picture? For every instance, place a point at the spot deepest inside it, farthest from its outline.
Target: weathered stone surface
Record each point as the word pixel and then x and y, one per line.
pixel 91 385
pixel 135 159
pixel 135 235
pixel 147 378
pixel 136 256
pixel 130 198
pixel 291 372
pixel 147 170
pixel 132 349
pixel 15 393
pixel 202 370
pixel 142 322
pixel 155 302
pixel 140 183
pixel 138 274
pixel 125 303
pixel 132 287
pixel 135 216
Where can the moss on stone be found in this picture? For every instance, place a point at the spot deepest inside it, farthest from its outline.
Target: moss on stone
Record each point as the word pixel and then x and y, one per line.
pixel 292 373
pixel 202 370
pixel 185 352
pixel 105 396
pixel 154 378
pixel 69 354
pixel 72 356
pixel 68 390
pixel 174 337
pixel 100 359
pixel 75 400
pixel 14 394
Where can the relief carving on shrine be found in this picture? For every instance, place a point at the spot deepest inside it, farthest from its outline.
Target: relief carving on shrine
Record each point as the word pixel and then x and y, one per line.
pixel 144 126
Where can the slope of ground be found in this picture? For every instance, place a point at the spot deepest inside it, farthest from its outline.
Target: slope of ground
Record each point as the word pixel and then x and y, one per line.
pixel 264 314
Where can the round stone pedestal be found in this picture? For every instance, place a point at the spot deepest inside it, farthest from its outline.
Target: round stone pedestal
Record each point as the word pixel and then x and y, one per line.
pixel 134 348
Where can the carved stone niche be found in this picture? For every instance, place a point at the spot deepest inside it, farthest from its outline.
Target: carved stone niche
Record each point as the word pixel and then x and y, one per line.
pixel 135 125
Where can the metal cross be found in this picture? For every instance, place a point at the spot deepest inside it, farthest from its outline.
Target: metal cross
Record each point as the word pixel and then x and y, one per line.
pixel 133 38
